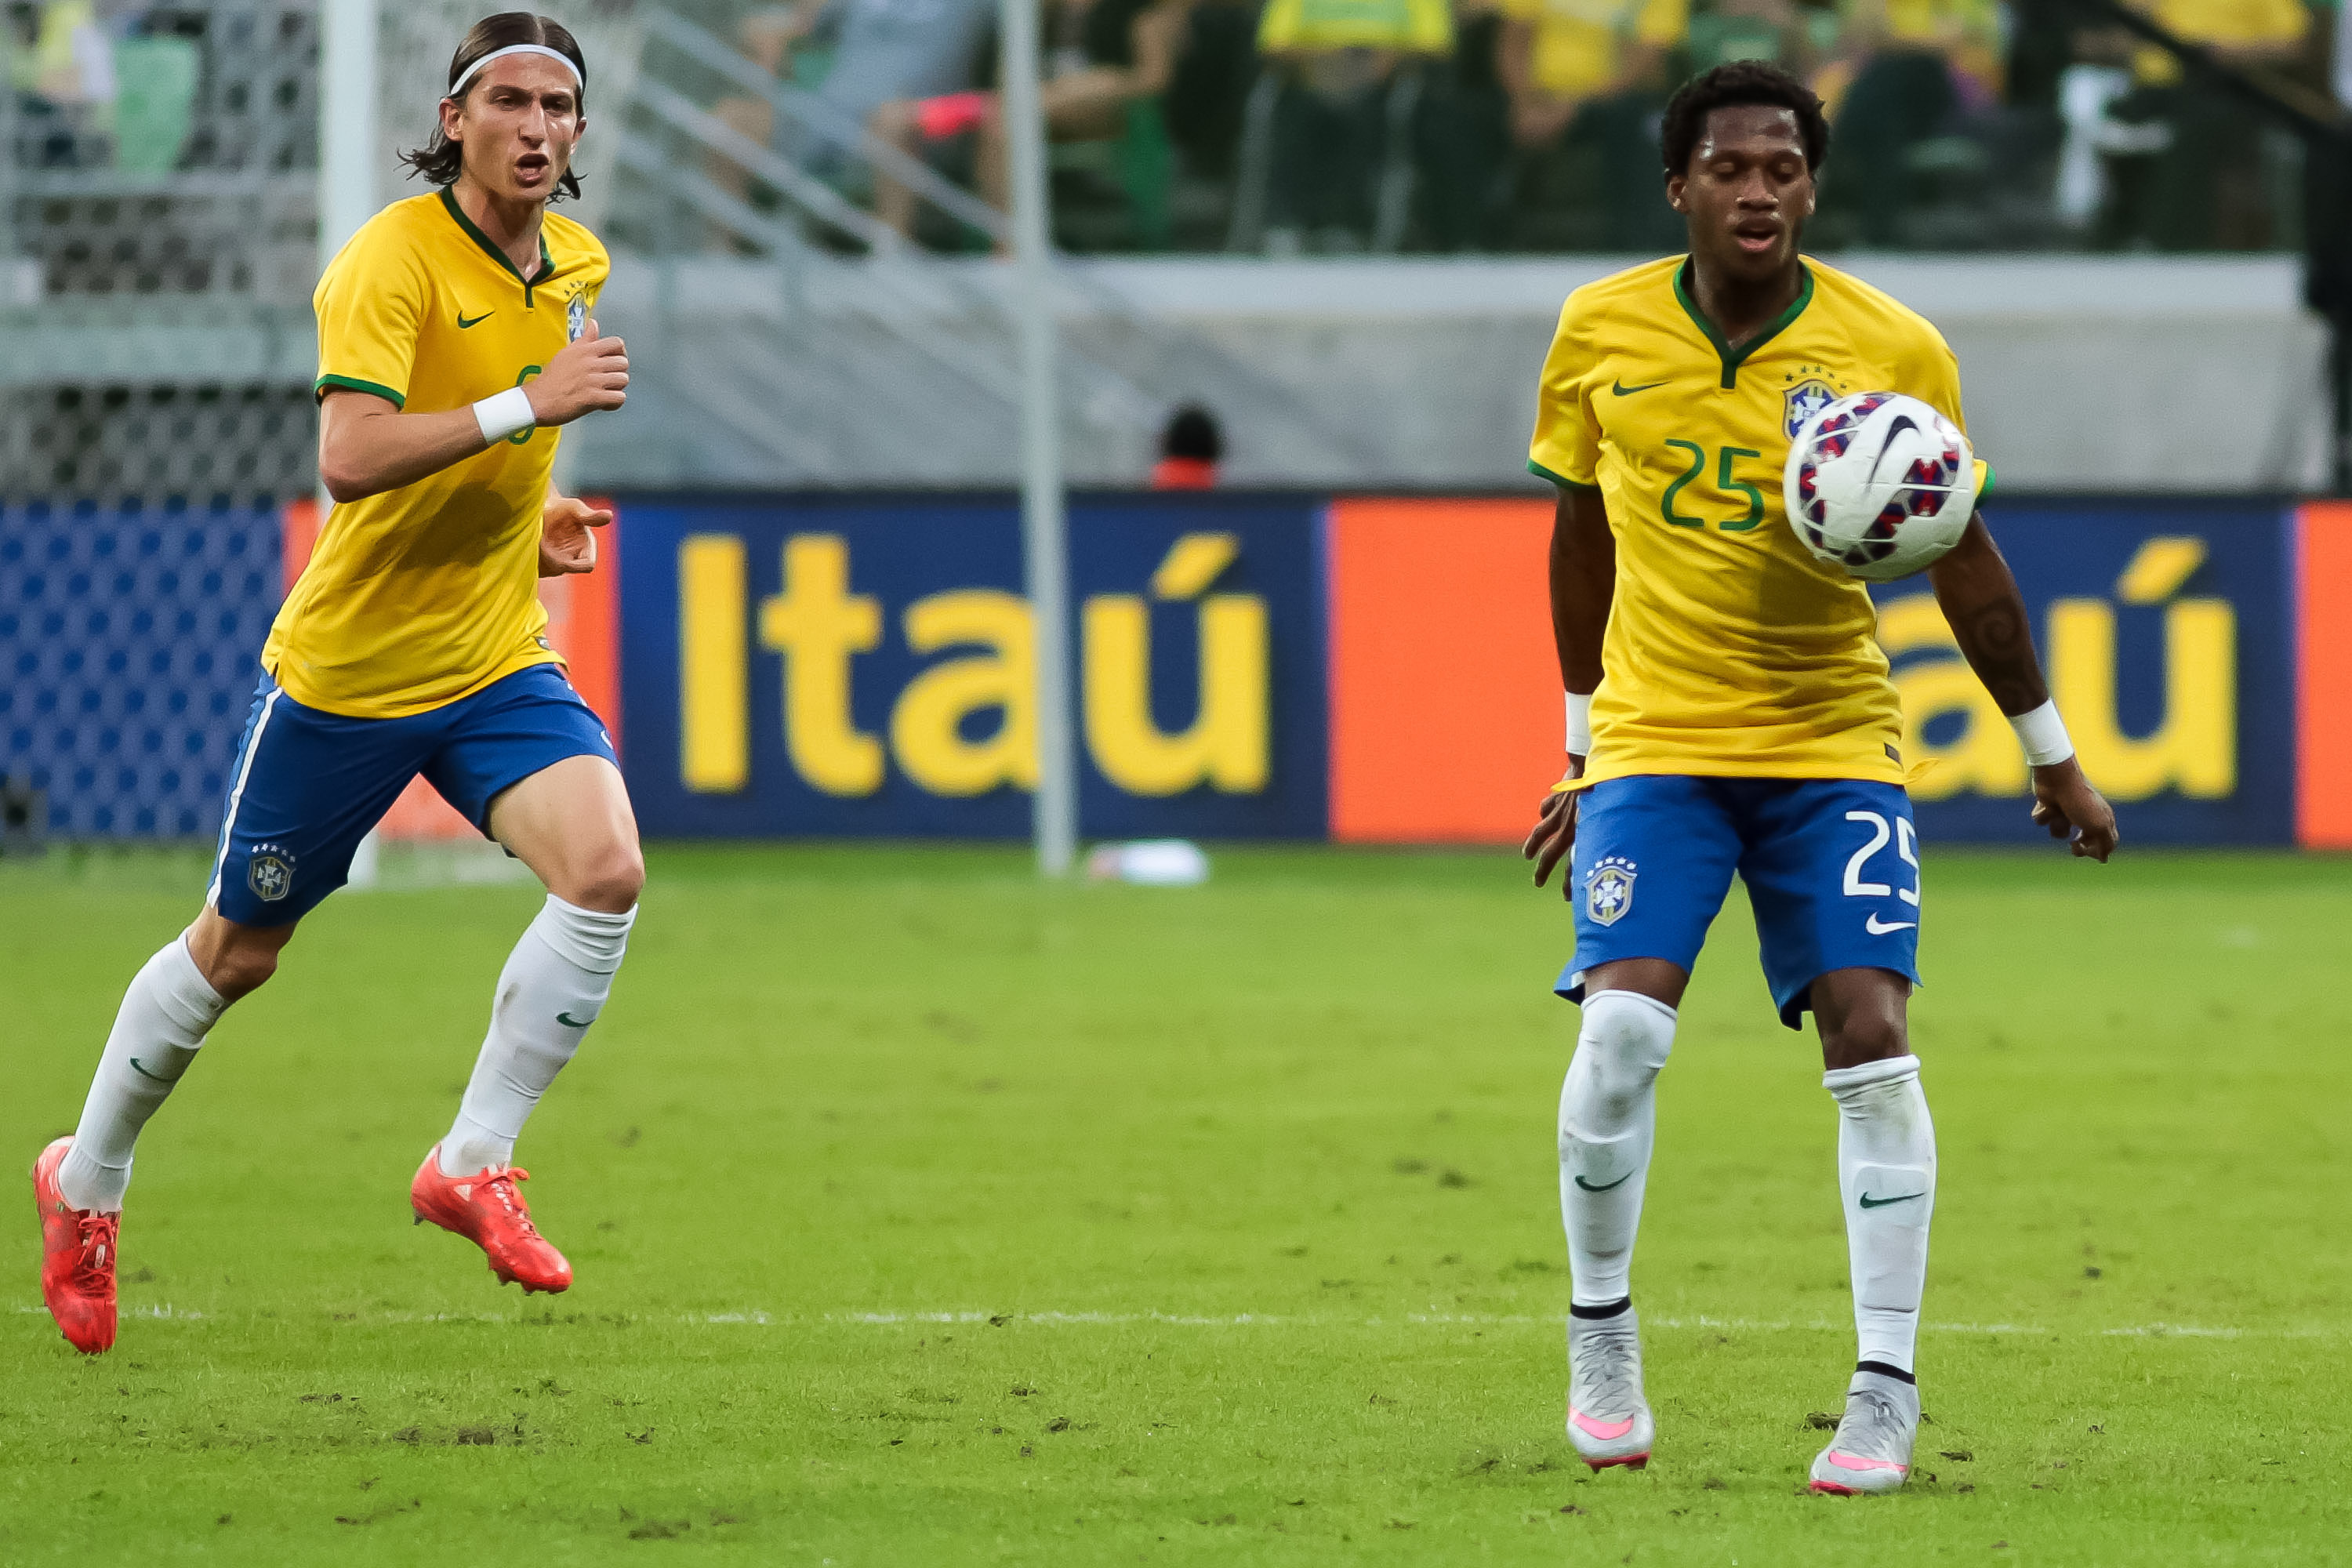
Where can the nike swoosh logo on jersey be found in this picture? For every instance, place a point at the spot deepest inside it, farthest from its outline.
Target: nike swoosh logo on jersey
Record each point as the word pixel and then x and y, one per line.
pixel 1870 1203
pixel 1877 926
pixel 463 323
pixel 1620 1182
pixel 1621 390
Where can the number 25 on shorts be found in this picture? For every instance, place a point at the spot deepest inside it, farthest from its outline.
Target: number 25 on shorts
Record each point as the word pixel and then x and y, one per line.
pixel 1906 841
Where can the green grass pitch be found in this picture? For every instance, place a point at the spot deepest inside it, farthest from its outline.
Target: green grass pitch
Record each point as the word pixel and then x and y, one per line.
pixel 922 1214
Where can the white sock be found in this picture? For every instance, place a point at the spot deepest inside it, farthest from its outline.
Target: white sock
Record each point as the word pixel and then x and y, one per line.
pixel 1608 1115
pixel 163 1018
pixel 553 986
pixel 1886 1172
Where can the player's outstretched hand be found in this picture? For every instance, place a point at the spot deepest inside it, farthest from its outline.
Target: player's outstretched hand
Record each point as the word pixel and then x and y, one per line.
pixel 2065 803
pixel 566 545
pixel 1554 835
pixel 590 375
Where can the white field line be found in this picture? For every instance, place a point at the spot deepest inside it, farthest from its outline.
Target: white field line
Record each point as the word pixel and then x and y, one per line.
pixel 756 1319
pixel 1528 1320
pixel 163 1309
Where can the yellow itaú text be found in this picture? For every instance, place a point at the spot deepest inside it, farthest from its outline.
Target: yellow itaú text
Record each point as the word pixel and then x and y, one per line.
pixel 2194 750
pixel 818 624
pixel 1226 744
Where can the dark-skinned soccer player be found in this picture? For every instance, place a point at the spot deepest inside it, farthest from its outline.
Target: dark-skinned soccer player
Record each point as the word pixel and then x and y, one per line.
pixel 1730 713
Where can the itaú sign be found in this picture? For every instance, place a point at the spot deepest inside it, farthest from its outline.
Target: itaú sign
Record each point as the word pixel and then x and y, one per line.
pixel 1377 670
pixel 2178 636
pixel 826 666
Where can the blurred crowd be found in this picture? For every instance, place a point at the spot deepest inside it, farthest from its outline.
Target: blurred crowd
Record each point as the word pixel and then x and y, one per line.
pixel 1343 126
pixel 99 84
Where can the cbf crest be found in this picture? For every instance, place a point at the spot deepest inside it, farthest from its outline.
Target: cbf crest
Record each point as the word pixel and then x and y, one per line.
pixel 1806 399
pixel 1809 389
pixel 575 319
pixel 270 872
pixel 1609 890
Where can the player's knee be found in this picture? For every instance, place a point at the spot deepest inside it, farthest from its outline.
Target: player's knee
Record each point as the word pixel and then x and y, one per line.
pixel 239 969
pixel 1624 1044
pixel 1860 1039
pixel 235 961
pixel 612 881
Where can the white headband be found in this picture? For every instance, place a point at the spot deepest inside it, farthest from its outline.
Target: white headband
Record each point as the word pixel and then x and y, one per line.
pixel 458 87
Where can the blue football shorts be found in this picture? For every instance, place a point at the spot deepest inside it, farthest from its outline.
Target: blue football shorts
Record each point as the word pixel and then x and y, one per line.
pixel 1832 868
pixel 308 785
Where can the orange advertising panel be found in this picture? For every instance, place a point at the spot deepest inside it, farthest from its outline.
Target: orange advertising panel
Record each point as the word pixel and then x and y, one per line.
pixel 583 622
pixel 2324 691
pixel 1446 698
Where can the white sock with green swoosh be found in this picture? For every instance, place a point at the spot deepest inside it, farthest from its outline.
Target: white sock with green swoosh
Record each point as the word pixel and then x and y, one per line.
pixel 1887 1173
pixel 164 1016
pixel 1607 1116
pixel 553 986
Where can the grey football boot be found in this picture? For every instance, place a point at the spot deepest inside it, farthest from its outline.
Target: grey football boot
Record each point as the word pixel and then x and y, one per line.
pixel 1608 1420
pixel 1871 1451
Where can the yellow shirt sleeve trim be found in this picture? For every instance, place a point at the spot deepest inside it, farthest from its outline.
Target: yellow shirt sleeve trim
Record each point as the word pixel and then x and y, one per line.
pixel 1539 471
pixel 353 384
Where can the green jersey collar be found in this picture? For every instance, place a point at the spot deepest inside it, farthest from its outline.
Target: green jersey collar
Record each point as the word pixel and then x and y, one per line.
pixel 547 262
pixel 1732 358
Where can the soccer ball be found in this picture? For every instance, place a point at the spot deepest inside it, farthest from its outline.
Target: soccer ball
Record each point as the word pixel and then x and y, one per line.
pixel 1880 484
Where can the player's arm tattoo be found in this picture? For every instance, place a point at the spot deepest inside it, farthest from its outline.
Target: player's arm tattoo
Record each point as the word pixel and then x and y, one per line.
pixel 1584 581
pixel 1987 614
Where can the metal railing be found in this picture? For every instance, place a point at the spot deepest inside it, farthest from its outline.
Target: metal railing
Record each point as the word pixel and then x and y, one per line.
pixel 907 315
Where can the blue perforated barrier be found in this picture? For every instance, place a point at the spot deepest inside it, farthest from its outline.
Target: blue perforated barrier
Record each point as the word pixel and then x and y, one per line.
pixel 130 642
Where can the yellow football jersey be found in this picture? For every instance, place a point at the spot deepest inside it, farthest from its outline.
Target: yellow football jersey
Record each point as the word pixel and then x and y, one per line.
pixel 1731 650
pixel 421 595
pixel 1578 45
pixel 2244 23
pixel 1312 27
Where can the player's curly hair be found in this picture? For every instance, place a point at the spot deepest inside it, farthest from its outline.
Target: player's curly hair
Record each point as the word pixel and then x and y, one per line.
pixel 440 159
pixel 1732 86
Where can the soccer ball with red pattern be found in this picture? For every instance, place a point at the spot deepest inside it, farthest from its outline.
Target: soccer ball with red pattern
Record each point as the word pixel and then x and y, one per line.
pixel 1881 485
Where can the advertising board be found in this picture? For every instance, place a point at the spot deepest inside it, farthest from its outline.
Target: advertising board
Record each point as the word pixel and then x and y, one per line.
pixel 130 636
pixel 837 665
pixel 1370 670
pixel 2168 629
pixel 2168 633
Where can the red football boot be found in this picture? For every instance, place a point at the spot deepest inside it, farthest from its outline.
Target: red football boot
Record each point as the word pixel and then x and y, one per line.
pixel 77 1249
pixel 485 1208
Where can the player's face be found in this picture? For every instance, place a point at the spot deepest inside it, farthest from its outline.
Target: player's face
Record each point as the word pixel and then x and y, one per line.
pixel 519 123
pixel 1747 192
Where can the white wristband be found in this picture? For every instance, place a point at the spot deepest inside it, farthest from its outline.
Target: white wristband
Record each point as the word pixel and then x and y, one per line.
pixel 1579 725
pixel 508 414
pixel 2044 735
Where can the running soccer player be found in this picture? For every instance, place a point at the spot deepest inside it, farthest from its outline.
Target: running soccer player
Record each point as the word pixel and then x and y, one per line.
pixel 1730 710
pixel 453 339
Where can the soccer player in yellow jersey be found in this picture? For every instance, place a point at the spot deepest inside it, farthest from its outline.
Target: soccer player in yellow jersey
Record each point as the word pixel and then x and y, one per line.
pixel 455 336
pixel 1729 711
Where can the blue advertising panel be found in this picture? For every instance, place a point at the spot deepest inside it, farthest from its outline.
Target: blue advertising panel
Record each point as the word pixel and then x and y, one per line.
pixel 131 640
pixel 2166 628
pixel 838 665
